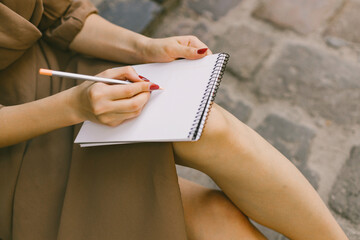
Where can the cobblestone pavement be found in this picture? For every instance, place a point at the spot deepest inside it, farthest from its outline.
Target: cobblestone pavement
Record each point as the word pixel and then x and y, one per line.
pixel 293 76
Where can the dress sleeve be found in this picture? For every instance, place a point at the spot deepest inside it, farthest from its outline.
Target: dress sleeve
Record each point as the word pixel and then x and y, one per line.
pixel 63 20
pixel 17 35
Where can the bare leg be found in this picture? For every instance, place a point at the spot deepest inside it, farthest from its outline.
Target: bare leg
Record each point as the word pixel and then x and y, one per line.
pixel 209 215
pixel 258 179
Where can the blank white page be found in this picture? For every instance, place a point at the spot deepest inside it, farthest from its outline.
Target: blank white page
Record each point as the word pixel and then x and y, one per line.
pixel 169 114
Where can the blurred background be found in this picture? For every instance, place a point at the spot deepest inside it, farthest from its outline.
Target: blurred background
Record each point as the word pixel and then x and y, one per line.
pixel 293 76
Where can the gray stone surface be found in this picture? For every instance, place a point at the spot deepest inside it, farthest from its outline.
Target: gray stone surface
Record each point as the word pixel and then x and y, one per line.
pixel 345 195
pixel 215 8
pixel 346 24
pixel 303 16
pixel 181 27
pixel 97 2
pixel 133 15
pixel 353 234
pixel 247 49
pixel 321 83
pixel 238 108
pixel 268 233
pixel 292 140
pixel 335 42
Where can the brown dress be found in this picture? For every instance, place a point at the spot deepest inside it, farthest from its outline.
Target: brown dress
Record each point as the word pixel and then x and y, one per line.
pixel 51 188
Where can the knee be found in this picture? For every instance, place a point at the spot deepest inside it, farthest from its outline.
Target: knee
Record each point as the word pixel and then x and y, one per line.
pixel 217 125
pixel 204 153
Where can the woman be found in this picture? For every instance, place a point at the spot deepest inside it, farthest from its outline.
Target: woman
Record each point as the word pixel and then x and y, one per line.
pixel 52 189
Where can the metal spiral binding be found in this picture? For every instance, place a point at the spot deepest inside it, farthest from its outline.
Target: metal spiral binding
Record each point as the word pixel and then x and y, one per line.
pixel 209 96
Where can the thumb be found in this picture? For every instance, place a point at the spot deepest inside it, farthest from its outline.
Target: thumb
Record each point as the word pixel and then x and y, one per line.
pixel 191 52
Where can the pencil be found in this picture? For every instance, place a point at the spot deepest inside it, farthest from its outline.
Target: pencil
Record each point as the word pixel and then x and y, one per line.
pixel 49 72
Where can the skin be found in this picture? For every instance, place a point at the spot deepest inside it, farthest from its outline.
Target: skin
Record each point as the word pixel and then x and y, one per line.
pixel 258 181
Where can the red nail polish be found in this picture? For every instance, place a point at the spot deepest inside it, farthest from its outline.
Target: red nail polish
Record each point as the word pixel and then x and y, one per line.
pixel 144 78
pixel 154 86
pixel 202 50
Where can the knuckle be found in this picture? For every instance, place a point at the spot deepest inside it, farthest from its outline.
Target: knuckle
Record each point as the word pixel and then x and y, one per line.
pixel 128 69
pixel 98 109
pixel 96 92
pixel 137 112
pixel 105 119
pixel 135 105
pixel 144 86
pixel 106 73
pixel 113 124
pixel 118 122
pixel 128 91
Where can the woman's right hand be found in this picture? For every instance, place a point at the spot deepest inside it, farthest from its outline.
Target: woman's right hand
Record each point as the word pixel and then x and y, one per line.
pixel 113 104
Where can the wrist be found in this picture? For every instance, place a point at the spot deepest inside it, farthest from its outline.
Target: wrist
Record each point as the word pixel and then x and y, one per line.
pixel 133 49
pixel 142 48
pixel 72 105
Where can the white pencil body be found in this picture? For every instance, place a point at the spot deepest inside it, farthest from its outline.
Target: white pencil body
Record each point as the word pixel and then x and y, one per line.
pixel 81 76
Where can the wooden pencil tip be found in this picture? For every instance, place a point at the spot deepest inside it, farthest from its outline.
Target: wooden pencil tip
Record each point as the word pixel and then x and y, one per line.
pixel 46 72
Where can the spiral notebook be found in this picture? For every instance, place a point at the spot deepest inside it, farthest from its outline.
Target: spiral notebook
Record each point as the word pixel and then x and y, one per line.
pixel 177 113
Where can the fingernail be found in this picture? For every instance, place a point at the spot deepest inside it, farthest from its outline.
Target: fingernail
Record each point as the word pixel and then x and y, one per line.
pixel 202 50
pixel 144 78
pixel 154 86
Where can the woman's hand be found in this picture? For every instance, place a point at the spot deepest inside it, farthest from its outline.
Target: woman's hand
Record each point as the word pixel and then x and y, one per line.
pixel 169 49
pixel 113 104
pixel 122 45
pixel 97 102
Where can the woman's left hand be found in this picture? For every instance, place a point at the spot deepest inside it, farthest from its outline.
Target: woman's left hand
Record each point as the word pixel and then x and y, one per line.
pixel 169 49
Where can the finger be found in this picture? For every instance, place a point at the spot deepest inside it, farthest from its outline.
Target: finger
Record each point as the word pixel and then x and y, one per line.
pixel 125 117
pixel 116 92
pixel 190 47
pixel 115 119
pixel 195 42
pixel 129 105
pixel 188 52
pixel 122 73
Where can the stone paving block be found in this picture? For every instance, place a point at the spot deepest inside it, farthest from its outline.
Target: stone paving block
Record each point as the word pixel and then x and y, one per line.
pixel 345 26
pixel 352 234
pixel 238 108
pixel 292 140
pixel 215 8
pixel 320 82
pixel 335 42
pixel 160 1
pixel 247 49
pixel 185 26
pixel 303 16
pixel 345 194
pixel 133 15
